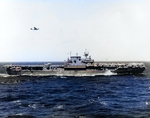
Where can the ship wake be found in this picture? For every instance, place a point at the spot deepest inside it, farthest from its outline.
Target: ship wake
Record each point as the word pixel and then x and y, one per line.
pixel 109 73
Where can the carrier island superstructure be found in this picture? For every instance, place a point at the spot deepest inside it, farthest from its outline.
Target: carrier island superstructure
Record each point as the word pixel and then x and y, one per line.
pixel 75 66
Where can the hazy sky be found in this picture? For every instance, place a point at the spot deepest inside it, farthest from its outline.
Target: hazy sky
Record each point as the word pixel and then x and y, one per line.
pixel 111 30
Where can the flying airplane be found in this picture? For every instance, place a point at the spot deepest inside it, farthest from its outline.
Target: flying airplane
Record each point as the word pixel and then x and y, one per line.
pixel 34 28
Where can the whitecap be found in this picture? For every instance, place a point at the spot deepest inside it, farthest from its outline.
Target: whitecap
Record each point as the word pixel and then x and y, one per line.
pixel 59 107
pixel 19 114
pixel 147 103
pixel 34 106
pixel 103 103
pixel 17 101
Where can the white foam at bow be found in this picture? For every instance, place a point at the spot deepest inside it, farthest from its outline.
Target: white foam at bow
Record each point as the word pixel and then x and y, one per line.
pixel 108 73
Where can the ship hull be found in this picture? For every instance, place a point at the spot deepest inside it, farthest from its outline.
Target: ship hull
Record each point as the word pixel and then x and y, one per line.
pixel 62 73
pixel 76 70
pixel 133 71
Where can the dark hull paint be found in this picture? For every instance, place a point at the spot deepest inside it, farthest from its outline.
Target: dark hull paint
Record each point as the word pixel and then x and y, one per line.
pixel 129 70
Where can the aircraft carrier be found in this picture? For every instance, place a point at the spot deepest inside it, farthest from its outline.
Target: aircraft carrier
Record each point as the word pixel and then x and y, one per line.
pixel 76 66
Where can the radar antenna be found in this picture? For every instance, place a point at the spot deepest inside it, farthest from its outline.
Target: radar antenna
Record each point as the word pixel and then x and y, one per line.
pixel 86 53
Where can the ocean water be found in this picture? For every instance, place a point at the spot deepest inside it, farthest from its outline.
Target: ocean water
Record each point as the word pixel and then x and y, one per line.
pixel 105 96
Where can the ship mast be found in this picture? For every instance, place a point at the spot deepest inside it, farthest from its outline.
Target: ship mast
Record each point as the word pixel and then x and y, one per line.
pixel 86 53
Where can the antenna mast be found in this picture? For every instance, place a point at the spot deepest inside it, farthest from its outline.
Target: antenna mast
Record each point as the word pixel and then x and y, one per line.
pixel 86 53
